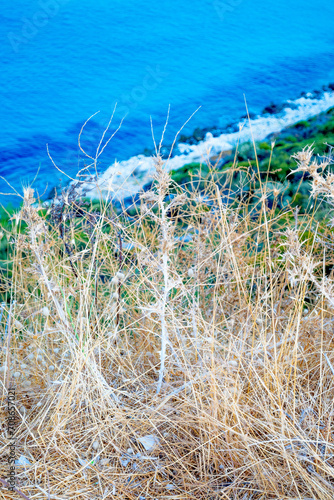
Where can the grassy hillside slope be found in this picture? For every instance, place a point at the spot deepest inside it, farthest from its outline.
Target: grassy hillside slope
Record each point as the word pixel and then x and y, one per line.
pixel 182 348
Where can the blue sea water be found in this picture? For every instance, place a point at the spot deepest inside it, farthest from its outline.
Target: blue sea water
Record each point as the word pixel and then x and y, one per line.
pixel 61 61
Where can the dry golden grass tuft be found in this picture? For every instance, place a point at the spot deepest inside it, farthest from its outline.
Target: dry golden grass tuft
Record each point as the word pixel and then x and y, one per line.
pixel 182 353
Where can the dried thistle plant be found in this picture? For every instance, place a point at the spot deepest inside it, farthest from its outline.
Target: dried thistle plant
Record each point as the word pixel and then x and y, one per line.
pixel 188 356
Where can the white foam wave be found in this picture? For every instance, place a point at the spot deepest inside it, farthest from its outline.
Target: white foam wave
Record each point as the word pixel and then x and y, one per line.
pixel 126 178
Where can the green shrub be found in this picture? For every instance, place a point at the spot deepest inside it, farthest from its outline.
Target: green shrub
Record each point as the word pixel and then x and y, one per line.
pixel 265 146
pixel 302 124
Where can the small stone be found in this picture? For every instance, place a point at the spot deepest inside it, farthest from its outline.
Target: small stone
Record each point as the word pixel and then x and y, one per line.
pixel 22 461
pixel 45 311
pixel 17 374
pixel 149 441
pixel 85 463
pixel 233 363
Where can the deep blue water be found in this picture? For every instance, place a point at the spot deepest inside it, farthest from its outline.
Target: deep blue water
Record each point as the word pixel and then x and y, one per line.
pixel 85 55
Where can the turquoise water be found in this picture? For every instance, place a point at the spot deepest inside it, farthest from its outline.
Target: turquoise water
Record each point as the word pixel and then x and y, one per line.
pixel 63 60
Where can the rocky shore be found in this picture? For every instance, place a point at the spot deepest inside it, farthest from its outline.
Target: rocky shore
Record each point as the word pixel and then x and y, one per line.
pixel 274 157
pixel 293 121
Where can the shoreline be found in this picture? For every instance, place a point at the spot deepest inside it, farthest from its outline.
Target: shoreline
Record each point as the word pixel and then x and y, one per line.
pixel 125 179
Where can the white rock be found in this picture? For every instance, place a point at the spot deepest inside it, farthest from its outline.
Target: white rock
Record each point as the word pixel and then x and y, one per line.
pixel 22 461
pixel 232 362
pixel 149 441
pixel 45 311
pixel 85 463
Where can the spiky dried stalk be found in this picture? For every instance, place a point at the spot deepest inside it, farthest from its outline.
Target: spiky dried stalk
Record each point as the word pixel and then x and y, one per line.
pixel 36 228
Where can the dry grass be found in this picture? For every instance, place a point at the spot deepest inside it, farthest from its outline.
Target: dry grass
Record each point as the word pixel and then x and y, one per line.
pixel 186 353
